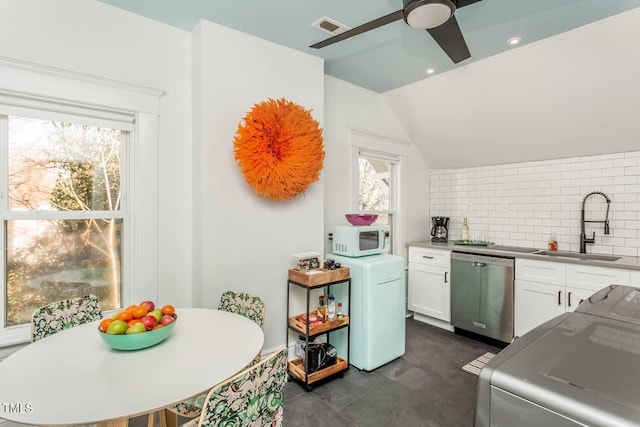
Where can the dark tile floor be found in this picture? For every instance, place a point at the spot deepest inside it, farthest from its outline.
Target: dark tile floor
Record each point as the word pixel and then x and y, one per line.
pixel 425 387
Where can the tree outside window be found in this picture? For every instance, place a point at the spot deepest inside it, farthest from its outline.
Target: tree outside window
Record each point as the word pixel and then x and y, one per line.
pixel 375 187
pixel 63 216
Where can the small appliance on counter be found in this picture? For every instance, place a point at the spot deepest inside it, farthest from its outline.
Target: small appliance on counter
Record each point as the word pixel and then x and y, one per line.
pixel 439 230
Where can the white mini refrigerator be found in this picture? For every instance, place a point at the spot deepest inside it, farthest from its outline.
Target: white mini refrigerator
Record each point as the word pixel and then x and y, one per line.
pixel 378 309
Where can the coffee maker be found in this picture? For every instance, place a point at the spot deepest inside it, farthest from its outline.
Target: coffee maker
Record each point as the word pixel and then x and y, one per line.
pixel 439 231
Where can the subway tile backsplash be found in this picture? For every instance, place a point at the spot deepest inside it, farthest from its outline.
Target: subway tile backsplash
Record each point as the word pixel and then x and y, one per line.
pixel 521 204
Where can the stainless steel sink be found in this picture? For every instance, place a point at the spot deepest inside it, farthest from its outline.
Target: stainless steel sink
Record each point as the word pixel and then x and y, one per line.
pixel 512 249
pixel 575 255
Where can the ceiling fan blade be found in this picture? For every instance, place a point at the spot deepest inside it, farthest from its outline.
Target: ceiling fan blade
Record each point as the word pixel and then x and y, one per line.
pixel 463 3
pixel 451 40
pixel 387 19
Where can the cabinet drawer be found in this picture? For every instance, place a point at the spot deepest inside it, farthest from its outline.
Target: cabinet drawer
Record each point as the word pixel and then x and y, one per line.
pixel 428 256
pixel 635 278
pixel 594 278
pixel 553 273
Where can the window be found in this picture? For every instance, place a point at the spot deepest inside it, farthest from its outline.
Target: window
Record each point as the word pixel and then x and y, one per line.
pixel 63 217
pixel 78 191
pixel 377 178
pixel 376 185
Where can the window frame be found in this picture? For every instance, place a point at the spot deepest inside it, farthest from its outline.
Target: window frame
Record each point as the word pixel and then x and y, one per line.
pixel 31 86
pixel 367 145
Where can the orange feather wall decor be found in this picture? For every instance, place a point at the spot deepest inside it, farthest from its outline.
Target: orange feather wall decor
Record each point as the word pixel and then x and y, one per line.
pixel 278 147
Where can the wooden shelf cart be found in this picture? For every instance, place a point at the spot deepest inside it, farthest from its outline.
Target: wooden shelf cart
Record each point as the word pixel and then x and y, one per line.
pixel 315 279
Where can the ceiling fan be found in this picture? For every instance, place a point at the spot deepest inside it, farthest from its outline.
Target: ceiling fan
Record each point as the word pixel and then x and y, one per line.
pixel 435 16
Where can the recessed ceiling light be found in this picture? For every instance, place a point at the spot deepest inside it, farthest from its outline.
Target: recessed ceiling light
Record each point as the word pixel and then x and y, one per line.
pixel 514 41
pixel 430 70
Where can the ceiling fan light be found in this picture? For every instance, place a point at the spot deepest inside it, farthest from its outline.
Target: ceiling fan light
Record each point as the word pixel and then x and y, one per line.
pixel 427 14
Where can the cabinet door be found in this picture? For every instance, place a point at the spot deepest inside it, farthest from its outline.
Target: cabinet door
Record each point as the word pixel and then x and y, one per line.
pixel 429 291
pixel 535 303
pixel 635 278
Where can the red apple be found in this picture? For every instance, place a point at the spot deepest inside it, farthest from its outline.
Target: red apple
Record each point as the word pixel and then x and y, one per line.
pixel 150 305
pixel 149 322
pixel 166 319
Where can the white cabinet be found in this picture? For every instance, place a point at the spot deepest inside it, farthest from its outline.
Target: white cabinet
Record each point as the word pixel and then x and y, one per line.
pixel 539 293
pixel 545 289
pixel 585 280
pixel 429 287
pixel 635 278
pixel 535 303
pixel 553 273
pixel 594 277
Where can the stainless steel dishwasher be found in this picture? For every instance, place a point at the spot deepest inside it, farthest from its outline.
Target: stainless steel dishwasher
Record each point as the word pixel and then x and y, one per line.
pixel 482 295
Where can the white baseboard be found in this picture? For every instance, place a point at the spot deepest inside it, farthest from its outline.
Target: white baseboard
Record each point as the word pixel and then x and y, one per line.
pixel 431 321
pixel 266 352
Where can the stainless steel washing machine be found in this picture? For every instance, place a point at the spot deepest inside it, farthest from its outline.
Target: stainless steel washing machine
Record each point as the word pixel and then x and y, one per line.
pixel 579 369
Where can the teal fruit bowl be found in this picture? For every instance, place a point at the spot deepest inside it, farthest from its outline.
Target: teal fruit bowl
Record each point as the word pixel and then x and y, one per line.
pixel 138 341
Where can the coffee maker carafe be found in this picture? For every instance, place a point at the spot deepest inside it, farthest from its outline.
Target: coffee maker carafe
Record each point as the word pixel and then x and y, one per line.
pixel 439 231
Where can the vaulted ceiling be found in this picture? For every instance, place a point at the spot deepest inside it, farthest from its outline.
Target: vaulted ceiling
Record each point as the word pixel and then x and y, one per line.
pixel 391 56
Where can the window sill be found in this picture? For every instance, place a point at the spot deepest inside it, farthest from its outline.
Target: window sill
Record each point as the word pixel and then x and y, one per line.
pixel 14 337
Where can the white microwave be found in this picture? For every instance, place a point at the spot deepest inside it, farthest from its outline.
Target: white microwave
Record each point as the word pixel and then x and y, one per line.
pixel 360 240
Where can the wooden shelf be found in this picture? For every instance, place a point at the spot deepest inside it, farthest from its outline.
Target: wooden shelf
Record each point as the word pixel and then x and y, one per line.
pixel 323 327
pixel 319 276
pixel 310 280
pixel 296 367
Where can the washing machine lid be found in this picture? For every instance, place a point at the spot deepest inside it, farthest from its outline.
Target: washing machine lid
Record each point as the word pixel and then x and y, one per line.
pixel 586 368
pixel 614 302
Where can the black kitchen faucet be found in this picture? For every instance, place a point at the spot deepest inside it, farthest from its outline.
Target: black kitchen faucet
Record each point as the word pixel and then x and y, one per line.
pixel 583 237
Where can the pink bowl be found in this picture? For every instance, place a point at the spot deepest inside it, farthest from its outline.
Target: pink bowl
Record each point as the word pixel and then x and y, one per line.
pixel 361 219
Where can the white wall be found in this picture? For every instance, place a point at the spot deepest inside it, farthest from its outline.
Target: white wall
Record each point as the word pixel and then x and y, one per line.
pixel 93 38
pixel 521 204
pixel 351 107
pixel 245 242
pixel 214 232
pixel 574 94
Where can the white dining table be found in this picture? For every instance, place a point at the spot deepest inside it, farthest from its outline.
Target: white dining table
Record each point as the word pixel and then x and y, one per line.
pixel 73 377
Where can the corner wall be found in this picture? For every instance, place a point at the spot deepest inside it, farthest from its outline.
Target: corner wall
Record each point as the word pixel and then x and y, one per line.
pixel 245 242
pixel 351 107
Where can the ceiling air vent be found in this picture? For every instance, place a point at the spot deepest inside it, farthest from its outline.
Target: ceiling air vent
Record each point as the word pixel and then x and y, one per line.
pixel 330 26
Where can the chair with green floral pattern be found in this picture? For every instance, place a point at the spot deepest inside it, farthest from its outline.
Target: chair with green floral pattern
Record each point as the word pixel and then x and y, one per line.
pixel 249 306
pixel 61 315
pixel 251 398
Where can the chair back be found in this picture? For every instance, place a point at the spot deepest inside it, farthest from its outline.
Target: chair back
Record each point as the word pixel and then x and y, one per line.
pixel 249 306
pixel 252 397
pixel 61 315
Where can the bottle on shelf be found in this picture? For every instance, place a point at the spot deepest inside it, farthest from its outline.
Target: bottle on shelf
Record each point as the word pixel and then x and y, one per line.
pixel 465 230
pixel 553 242
pixel 322 309
pixel 339 311
pixel 331 308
